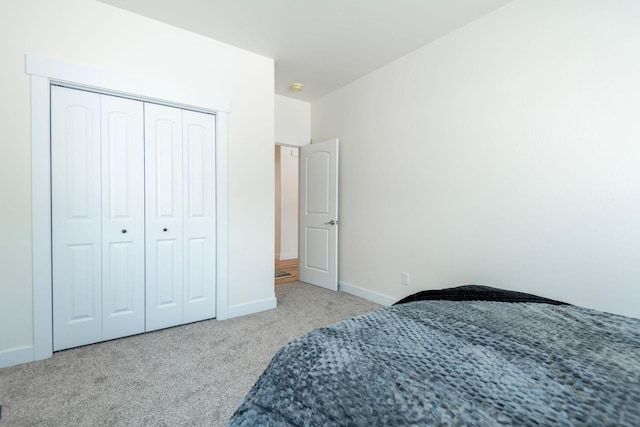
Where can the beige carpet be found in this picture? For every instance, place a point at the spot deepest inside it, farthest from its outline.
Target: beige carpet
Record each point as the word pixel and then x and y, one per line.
pixel 195 374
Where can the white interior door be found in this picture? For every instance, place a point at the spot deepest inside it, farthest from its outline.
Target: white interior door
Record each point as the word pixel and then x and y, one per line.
pixel 164 214
pixel 318 252
pixel 123 282
pixel 199 212
pixel 98 217
pixel 76 217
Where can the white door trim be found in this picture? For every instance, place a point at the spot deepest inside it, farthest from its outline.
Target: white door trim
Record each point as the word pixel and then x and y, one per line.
pixel 112 83
pixel 43 73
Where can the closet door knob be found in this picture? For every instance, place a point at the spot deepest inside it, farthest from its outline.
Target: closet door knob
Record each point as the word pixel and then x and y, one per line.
pixel 164 229
pixel 124 231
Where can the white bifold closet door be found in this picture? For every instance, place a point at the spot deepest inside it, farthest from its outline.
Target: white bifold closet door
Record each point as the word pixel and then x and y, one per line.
pixel 133 216
pixel 180 215
pixel 97 149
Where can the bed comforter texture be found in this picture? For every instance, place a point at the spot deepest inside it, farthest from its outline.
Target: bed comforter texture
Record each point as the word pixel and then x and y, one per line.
pixel 430 363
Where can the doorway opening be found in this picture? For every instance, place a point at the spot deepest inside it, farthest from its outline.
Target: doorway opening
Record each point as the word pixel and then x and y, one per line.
pixel 286 214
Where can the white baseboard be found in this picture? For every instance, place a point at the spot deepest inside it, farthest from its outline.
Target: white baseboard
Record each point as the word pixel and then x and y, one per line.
pixel 252 307
pixel 16 356
pixel 286 256
pixel 366 294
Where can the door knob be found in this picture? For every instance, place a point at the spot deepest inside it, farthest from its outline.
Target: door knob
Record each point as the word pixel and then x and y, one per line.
pixel 164 229
pixel 124 231
pixel 332 222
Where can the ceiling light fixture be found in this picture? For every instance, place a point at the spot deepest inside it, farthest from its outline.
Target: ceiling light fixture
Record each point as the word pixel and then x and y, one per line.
pixel 296 87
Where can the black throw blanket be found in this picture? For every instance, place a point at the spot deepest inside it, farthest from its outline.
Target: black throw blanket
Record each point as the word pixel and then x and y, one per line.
pixel 477 293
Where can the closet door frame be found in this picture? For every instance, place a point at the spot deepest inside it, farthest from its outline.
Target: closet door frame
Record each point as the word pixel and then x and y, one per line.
pixel 46 72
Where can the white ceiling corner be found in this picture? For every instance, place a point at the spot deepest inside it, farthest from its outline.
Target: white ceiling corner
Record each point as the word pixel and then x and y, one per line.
pixel 322 44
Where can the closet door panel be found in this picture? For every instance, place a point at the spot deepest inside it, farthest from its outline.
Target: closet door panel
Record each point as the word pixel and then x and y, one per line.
pixel 76 217
pixel 123 286
pixel 199 215
pixel 164 216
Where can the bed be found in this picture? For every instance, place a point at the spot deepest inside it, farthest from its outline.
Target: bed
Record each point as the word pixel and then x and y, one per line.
pixel 470 355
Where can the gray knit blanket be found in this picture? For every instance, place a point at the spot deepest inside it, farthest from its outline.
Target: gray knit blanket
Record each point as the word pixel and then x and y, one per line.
pixel 431 363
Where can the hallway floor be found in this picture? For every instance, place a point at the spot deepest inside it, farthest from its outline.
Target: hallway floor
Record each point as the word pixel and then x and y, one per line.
pixel 291 267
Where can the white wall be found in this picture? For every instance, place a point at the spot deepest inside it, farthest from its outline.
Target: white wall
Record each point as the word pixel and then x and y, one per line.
pixel 293 121
pixel 506 153
pixel 93 34
pixel 288 187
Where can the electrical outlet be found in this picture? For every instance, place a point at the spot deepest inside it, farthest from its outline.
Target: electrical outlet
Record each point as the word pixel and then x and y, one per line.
pixel 405 278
